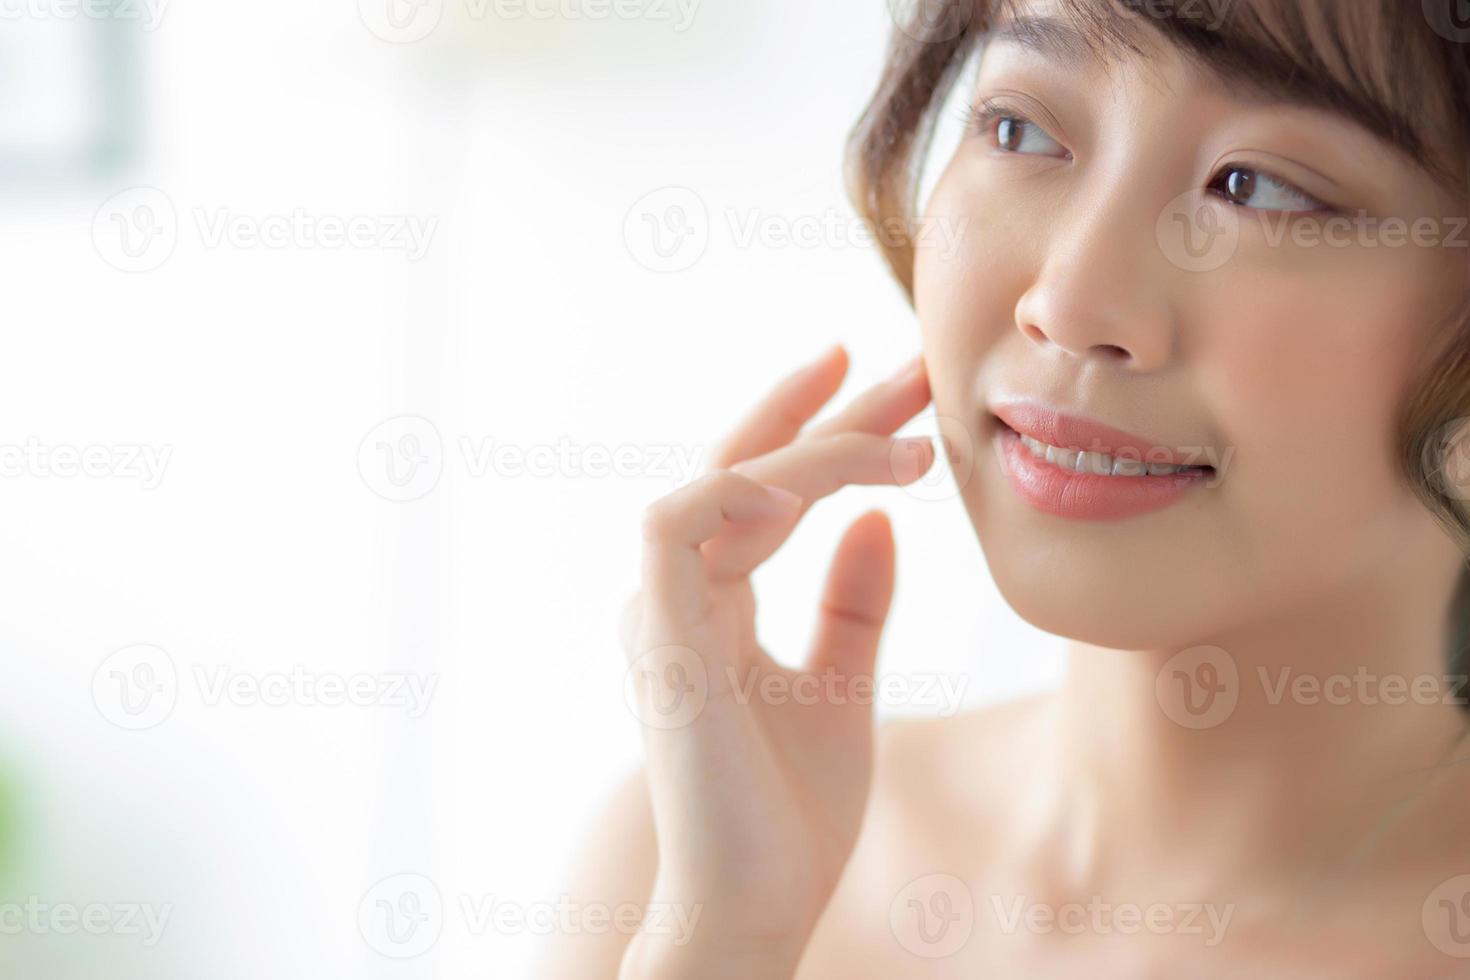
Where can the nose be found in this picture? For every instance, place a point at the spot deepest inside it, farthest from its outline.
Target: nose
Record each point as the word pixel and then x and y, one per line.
pixel 1101 292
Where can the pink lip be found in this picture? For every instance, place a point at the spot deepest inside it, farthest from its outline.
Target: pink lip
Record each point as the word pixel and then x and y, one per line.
pixel 1088 496
pixel 1085 435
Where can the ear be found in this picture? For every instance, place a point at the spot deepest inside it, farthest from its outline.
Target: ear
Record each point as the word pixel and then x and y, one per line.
pixel 1450 467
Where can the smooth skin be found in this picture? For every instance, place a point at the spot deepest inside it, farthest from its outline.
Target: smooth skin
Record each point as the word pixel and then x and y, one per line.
pixel 1298 837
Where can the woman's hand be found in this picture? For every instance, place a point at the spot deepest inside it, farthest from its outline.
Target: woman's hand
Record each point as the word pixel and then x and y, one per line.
pixel 758 774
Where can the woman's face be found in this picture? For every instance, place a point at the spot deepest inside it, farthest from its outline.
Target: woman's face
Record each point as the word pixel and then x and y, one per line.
pixel 1276 341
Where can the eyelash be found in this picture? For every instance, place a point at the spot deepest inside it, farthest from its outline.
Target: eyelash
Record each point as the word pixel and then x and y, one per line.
pixel 983 115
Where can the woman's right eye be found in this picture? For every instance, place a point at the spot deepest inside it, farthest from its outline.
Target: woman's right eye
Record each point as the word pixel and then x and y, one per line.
pixel 1014 133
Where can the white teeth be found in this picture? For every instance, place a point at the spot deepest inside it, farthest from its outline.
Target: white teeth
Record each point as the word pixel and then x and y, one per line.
pixel 1100 464
pixel 1065 458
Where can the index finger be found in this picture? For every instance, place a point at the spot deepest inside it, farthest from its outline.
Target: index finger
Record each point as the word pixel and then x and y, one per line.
pixel 779 416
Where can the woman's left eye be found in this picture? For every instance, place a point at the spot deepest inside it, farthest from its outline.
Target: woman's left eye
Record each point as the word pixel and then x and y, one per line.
pixel 1249 188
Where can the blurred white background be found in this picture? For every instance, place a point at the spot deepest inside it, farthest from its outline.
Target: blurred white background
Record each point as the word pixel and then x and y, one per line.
pixel 325 325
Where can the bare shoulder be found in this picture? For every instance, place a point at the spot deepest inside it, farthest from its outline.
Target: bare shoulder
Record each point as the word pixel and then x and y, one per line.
pixel 943 787
pixel 614 871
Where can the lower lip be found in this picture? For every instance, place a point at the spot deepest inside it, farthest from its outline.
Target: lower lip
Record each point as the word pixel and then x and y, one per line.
pixel 1087 496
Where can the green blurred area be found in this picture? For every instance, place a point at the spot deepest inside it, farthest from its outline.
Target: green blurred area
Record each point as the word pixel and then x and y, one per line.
pixel 7 828
pixel 9 823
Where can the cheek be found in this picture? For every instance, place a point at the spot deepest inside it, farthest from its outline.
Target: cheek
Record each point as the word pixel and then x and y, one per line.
pixel 965 291
pixel 1304 377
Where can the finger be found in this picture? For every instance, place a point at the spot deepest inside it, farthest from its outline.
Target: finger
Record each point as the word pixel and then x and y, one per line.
pixel 816 468
pixel 883 408
pixel 675 581
pixel 777 419
pixel 855 599
pixel 813 470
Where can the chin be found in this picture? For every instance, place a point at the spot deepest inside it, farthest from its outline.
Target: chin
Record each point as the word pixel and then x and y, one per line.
pixel 1112 622
pixel 1105 602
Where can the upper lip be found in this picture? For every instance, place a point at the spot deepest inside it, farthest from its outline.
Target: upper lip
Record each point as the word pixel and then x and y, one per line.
pixel 1082 434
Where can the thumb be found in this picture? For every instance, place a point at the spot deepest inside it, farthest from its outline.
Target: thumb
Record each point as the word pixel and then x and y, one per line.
pixel 856 598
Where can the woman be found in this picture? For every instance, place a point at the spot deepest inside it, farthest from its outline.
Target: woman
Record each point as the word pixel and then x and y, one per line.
pixel 1224 239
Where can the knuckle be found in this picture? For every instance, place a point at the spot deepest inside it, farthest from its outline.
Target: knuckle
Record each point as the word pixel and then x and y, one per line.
pixel 662 517
pixel 852 443
pixel 721 482
pixel 658 518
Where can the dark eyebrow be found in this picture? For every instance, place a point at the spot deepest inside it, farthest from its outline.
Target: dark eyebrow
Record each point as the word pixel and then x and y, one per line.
pixel 1247 72
pixel 1047 36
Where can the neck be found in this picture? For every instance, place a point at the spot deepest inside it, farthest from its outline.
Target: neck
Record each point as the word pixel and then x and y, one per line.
pixel 1289 750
